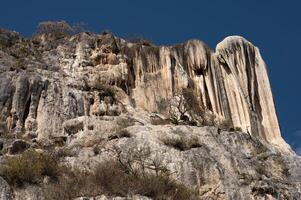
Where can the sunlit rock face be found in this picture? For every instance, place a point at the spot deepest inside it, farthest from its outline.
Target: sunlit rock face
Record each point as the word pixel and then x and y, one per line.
pixel 232 82
pixel 46 82
pixel 88 94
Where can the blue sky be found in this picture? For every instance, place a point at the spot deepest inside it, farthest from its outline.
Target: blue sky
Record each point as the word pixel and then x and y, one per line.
pixel 273 26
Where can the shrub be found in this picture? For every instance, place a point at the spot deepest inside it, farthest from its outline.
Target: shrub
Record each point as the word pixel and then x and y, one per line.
pixel 71 184
pixel 113 178
pixel 2 44
pixel 123 123
pixel 160 121
pixel 105 90
pixel 286 172
pixel 116 180
pixel 163 105
pixel 225 125
pixel 63 152
pixel 192 103
pixel 80 27
pixel 139 40
pixel 186 108
pixel 29 167
pixel 6 135
pixel 57 29
pixel 235 129
pixel 123 133
pixel 120 134
pixel 181 143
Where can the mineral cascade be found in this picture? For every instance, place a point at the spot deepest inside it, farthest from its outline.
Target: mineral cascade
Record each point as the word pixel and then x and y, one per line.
pixel 75 90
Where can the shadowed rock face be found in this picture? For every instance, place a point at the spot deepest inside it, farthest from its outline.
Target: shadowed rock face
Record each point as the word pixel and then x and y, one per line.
pixel 46 81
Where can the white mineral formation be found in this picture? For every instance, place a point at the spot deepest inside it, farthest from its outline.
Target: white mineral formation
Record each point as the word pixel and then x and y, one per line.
pixel 87 94
pixel 231 82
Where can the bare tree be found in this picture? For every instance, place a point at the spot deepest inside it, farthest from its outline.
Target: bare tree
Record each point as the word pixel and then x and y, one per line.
pixel 186 107
pixel 138 161
pixel 178 108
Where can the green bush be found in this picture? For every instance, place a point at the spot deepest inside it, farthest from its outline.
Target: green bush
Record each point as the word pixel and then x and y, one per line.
pixel 29 167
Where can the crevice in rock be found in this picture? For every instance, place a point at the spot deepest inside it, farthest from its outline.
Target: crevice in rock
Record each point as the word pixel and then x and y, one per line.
pixel 199 72
pixel 172 69
pixel 27 109
pixel 208 102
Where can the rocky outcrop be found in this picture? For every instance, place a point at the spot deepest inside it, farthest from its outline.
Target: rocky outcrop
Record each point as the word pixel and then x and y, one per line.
pixel 218 164
pixel 5 191
pixel 231 82
pixel 64 80
pixel 92 93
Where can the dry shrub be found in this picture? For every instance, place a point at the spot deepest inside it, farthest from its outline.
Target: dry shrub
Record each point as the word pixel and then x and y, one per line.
pixel 105 90
pixel 29 167
pixel 123 123
pixel 192 103
pixel 113 177
pixel 235 129
pixel 186 108
pixel 120 129
pixel 225 125
pixel 116 180
pixel 57 29
pixel 139 40
pixel 160 121
pixel 182 143
pixel 123 133
pixel 63 152
pixel 71 184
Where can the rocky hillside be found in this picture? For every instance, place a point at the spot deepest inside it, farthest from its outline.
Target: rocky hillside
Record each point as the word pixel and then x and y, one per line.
pixel 94 116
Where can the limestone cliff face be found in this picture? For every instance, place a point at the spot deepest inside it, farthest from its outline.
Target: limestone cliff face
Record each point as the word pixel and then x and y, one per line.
pixel 89 94
pixel 59 78
pixel 232 82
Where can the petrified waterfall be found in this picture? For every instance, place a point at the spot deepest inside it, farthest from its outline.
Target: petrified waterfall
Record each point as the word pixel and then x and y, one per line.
pixel 60 78
pixel 232 82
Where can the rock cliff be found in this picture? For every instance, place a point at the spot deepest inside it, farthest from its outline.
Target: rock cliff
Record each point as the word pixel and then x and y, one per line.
pixel 59 80
pixel 81 90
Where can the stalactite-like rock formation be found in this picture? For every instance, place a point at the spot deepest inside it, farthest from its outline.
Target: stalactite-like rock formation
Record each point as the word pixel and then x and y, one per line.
pixel 88 99
pixel 232 82
pixel 47 81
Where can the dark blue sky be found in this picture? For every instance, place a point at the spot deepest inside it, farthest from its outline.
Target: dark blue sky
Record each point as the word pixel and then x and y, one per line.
pixel 273 26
